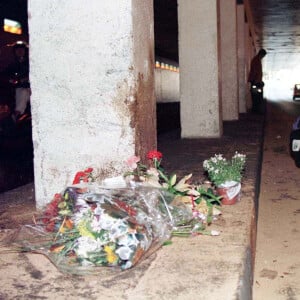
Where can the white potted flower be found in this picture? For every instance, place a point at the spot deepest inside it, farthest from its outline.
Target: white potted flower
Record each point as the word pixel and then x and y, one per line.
pixel 226 175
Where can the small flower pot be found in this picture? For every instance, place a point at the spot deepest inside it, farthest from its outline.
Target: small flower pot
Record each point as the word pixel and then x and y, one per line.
pixel 230 192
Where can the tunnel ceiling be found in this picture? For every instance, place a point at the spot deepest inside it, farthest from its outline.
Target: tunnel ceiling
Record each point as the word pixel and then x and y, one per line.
pixel 277 29
pixel 277 26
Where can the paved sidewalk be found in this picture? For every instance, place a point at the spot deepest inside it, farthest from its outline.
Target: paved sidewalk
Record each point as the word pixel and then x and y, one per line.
pixel 201 267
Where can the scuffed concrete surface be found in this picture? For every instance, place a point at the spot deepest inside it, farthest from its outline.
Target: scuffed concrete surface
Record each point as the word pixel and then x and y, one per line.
pixel 204 267
pixel 201 267
pixel 277 266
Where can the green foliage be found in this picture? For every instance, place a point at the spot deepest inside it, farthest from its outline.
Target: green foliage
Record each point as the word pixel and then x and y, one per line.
pixel 220 170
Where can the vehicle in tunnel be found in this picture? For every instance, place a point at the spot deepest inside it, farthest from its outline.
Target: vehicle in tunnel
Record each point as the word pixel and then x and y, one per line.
pixel 295 142
pixel 296 94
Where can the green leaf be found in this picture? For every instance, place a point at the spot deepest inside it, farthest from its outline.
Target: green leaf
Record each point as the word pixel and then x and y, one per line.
pixel 163 176
pixel 173 180
pixel 167 243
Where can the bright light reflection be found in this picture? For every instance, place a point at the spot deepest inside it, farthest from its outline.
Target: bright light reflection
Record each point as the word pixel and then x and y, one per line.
pixel 12 26
pixel 279 86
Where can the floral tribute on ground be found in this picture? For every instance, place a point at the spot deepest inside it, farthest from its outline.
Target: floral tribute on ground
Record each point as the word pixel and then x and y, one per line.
pixel 226 175
pixel 120 221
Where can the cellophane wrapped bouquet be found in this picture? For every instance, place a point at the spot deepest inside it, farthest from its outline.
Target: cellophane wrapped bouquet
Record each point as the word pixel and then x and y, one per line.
pixel 92 225
pixel 89 227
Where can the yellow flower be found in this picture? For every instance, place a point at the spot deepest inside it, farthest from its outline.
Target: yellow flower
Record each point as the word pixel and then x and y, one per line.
pixel 83 230
pixel 111 256
pixel 186 201
pixel 202 207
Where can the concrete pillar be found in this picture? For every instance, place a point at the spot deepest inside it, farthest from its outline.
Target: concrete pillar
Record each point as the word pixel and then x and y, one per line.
pixel 199 68
pixel 250 48
pixel 228 22
pixel 248 57
pixel 166 85
pixel 92 76
pixel 242 78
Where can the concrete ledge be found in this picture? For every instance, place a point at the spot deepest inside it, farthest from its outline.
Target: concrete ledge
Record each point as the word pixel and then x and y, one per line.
pixel 204 267
pixel 201 267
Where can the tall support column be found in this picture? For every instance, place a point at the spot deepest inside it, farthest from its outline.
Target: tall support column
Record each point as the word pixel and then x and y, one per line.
pixel 92 76
pixel 228 20
pixel 199 68
pixel 250 36
pixel 248 57
pixel 242 78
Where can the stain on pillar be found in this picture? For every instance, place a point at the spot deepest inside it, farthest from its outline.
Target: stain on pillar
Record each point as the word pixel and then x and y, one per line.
pixel 145 116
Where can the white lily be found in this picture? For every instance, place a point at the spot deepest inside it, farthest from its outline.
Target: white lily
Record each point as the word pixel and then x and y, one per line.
pixel 193 192
pixel 182 186
pixel 216 211
pixel 153 178
pixel 153 172
pixel 152 182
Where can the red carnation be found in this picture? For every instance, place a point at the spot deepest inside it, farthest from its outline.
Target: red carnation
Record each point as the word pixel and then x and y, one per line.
pixel 82 176
pixel 78 177
pixel 154 154
pixel 88 170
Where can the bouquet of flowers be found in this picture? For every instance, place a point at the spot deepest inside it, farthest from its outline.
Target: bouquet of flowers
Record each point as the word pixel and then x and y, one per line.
pixel 199 201
pixel 80 231
pixel 90 225
pixel 220 170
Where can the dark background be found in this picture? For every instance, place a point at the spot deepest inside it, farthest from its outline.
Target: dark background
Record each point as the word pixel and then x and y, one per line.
pixel 16 151
pixel 165 27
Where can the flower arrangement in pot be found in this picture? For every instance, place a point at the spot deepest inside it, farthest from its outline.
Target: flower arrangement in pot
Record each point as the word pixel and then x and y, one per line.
pixel 226 175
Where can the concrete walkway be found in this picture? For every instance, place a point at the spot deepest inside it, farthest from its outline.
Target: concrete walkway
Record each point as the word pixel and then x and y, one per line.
pixel 201 267
pixel 277 267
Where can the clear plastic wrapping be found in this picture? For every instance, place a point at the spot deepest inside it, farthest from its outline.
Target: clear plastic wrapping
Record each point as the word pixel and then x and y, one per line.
pixel 87 227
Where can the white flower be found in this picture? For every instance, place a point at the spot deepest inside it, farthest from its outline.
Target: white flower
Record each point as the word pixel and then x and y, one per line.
pixel 106 222
pixel 153 172
pixel 79 215
pixel 182 186
pixel 118 229
pixel 193 192
pixel 128 240
pixel 85 245
pixel 96 225
pixel 124 252
pixel 152 179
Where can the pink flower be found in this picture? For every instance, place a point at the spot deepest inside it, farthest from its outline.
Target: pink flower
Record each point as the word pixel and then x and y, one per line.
pixel 132 161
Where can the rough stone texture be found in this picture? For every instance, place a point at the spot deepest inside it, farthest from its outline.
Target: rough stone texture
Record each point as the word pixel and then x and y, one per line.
pixel 242 75
pixel 92 87
pixel 199 69
pixel 229 60
pixel 248 57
